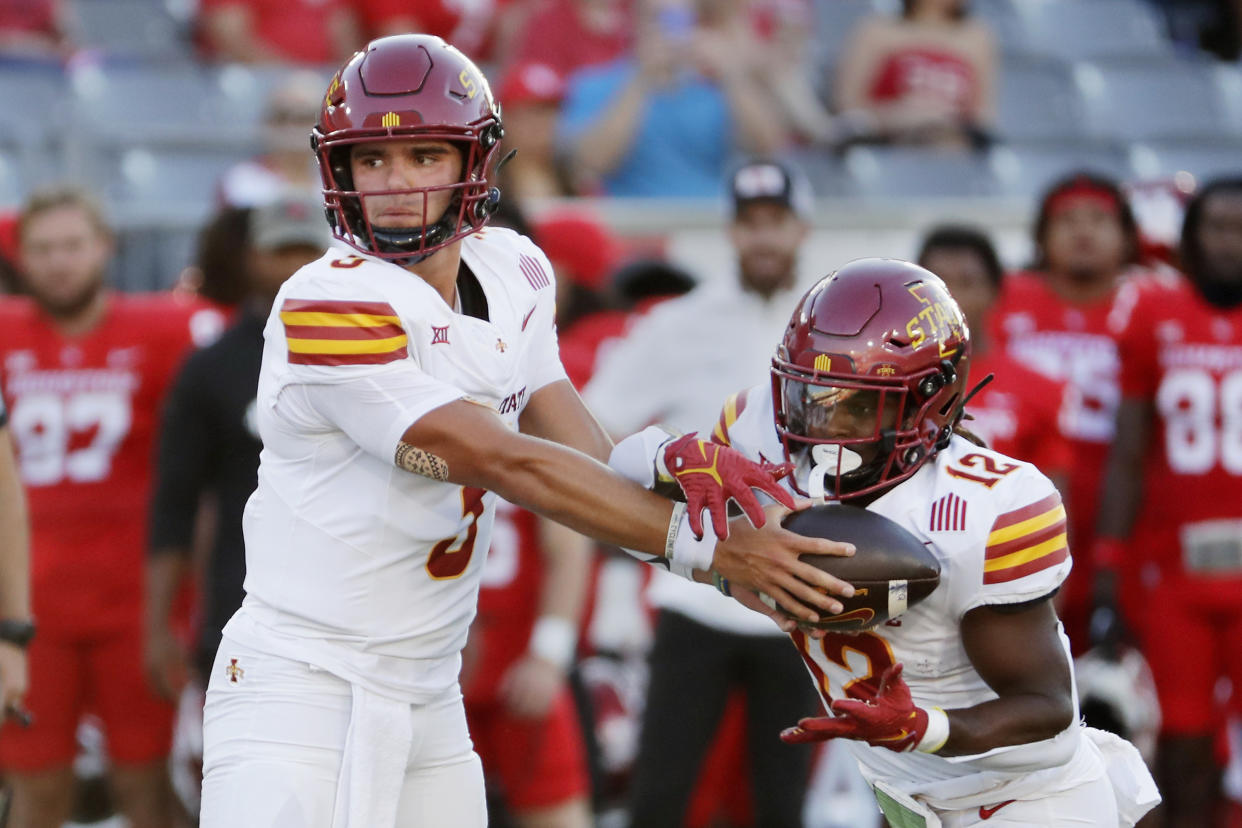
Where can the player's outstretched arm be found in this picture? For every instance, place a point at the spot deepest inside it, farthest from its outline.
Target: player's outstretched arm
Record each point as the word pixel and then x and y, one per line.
pixel 468 444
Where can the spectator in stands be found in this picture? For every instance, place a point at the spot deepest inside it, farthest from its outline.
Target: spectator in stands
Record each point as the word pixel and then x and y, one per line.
pixel 34 29
pixel 292 108
pixel 1054 319
pixel 1018 411
pixel 673 367
pixel 665 121
pixel 531 94
pixel 569 35
pixel 311 32
pixel 16 624
pixel 482 29
pixel 925 77
pixel 84 372
pixel 1171 496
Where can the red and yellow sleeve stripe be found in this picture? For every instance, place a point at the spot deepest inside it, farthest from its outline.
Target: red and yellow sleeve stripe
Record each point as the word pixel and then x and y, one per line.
pixel 342 333
pixel 1026 540
pixel 733 408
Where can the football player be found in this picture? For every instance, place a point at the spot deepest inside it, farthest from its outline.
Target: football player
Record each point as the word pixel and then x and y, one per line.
pixel 963 710
pixel 409 377
pixel 1053 319
pixel 1173 487
pixel 1019 411
pixel 84 372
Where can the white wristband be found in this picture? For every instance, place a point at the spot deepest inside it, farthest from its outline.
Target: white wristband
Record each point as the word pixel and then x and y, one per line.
pixel 684 551
pixel 554 639
pixel 937 732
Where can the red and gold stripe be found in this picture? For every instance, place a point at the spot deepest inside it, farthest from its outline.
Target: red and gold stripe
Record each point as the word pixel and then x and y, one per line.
pixel 1026 540
pixel 342 333
pixel 733 408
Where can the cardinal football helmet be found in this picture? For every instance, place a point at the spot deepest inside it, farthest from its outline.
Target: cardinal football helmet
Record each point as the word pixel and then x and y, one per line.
pixel 401 87
pixel 868 381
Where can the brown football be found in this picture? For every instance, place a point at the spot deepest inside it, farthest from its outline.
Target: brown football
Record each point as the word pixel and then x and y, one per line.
pixel 891 570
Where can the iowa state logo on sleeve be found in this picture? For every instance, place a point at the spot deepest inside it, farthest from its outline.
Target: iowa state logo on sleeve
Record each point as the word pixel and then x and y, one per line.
pixel 321 332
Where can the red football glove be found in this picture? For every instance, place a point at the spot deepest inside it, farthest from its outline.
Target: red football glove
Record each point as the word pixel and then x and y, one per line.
pixel 890 721
pixel 711 474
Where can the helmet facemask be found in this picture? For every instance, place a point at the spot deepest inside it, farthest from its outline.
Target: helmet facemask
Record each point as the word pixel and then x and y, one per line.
pixel 853 435
pixel 469 209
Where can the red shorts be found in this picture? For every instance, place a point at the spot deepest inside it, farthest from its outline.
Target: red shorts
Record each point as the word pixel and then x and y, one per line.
pixel 70 677
pixel 1192 636
pixel 539 763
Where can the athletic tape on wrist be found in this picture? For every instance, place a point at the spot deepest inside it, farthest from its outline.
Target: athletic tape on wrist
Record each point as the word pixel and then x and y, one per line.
pixel 685 552
pixel 937 732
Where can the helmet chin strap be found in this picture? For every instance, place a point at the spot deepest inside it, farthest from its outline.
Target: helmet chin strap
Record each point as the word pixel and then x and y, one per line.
pixel 401 239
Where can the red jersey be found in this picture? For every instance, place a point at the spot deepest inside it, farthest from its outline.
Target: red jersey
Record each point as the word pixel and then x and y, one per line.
pixel 1072 344
pixel 83 414
pixel 297 30
pixel 467 24
pixel 1184 356
pixel 1018 413
pixel 929 74
pixel 508 601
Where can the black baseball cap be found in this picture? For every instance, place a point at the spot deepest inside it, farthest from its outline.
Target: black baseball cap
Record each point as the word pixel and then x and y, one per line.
pixel 772 182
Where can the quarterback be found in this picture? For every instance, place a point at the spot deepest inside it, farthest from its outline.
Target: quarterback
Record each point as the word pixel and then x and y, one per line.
pixel 962 711
pixel 410 377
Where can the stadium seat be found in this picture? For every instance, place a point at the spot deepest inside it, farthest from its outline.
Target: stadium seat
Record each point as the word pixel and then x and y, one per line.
pixel 1006 25
pixel 1136 100
pixel 823 169
pixel 130 28
pixel 33 97
pixel 1038 100
pixel 896 172
pixel 11 190
pixel 1228 80
pixel 1089 29
pixel 167 105
pixel 168 183
pixel 834 21
pixel 1203 159
pixel 1026 170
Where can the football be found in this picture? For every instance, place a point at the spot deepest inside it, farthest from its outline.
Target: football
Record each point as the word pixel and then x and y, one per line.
pixel 891 570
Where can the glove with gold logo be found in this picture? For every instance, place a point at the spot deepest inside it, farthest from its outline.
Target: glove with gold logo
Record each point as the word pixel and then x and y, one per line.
pixel 710 475
pixel 891 720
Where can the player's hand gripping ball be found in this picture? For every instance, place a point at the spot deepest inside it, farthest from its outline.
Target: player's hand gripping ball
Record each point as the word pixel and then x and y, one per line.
pixel 891 571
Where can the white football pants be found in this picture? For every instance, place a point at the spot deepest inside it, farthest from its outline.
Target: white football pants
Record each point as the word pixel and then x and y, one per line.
pixel 1090 804
pixel 274 734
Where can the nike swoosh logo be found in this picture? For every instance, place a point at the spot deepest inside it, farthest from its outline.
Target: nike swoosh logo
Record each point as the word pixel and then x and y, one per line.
pixel 527 317
pixel 988 813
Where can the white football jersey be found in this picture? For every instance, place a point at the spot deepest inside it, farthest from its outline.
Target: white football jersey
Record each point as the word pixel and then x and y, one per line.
pixel 997 527
pixel 353 564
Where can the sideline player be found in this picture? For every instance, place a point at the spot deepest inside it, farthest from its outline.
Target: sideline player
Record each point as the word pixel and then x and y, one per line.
pixel 1018 412
pixel 1054 319
pixel 84 372
pixel 962 710
pixel 1173 487
pixel 409 377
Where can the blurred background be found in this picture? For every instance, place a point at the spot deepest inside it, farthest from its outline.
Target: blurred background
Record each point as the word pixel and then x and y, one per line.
pixel 158 105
